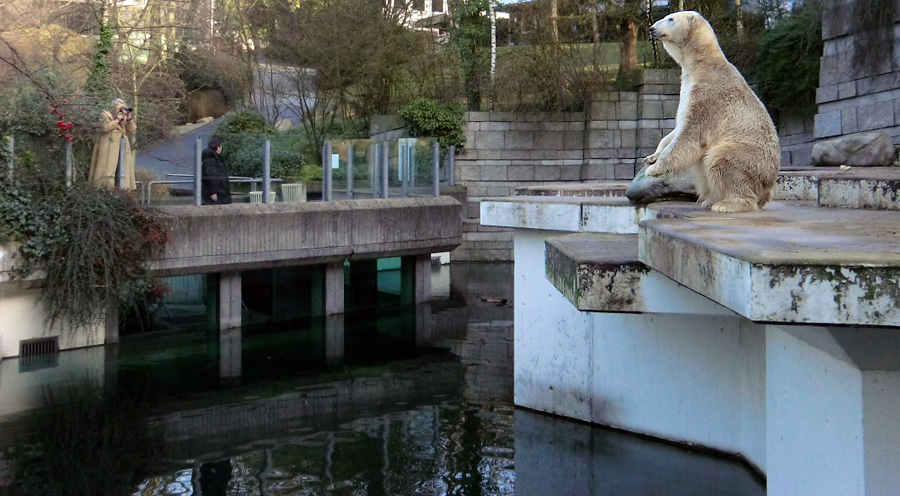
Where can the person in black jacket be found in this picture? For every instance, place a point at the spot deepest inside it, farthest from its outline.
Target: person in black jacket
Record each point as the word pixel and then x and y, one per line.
pixel 215 188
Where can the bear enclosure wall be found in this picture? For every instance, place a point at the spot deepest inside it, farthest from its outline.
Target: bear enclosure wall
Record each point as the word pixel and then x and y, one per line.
pixel 853 96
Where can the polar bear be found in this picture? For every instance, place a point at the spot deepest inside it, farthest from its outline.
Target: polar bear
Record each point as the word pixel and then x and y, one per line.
pixel 723 133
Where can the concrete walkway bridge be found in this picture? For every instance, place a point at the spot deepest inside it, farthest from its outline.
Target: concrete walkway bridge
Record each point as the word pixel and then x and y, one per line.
pixel 226 240
pixel 773 336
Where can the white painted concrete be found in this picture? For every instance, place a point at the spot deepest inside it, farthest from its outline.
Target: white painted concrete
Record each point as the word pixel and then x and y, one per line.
pixel 684 378
pixel 814 415
pixel 543 213
pixel 693 378
pixel 617 219
pixel 553 352
pixel 21 318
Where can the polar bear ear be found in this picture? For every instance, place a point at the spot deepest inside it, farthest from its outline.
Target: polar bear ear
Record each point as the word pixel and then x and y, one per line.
pixel 692 19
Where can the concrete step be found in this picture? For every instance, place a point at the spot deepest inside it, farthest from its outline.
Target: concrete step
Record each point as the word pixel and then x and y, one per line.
pixel 597 272
pixel 871 188
pixel 602 273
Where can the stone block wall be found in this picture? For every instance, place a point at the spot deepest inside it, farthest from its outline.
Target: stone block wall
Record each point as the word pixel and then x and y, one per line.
pixel 795 132
pixel 505 151
pixel 850 98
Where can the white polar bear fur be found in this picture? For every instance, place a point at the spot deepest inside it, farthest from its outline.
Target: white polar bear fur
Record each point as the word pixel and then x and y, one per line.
pixel 723 133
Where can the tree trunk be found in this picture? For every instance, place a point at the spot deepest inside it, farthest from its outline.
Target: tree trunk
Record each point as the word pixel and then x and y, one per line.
pixel 554 21
pixel 739 23
pixel 628 53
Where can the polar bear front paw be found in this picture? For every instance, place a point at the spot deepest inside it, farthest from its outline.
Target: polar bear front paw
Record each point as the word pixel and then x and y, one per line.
pixel 651 159
pixel 654 171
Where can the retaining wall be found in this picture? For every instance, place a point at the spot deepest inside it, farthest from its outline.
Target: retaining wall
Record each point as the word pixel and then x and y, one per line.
pixel 852 98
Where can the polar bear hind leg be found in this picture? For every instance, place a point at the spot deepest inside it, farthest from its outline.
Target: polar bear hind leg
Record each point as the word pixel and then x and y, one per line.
pixel 731 185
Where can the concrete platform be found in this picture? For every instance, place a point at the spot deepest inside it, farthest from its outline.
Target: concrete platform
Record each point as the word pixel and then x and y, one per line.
pixel 876 188
pixel 786 263
pixel 572 214
pixel 589 189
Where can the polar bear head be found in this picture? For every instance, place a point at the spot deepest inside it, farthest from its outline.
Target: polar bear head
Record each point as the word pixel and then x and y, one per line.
pixel 686 35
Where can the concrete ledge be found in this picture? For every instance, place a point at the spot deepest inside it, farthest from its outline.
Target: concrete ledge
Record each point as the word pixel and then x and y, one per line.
pixel 597 272
pixel 602 273
pixel 585 189
pixel 570 214
pixel 785 263
pixel 875 188
pixel 248 236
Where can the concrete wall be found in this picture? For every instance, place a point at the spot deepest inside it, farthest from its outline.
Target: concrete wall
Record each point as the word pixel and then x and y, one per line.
pixel 21 318
pixel 505 150
pixel 853 99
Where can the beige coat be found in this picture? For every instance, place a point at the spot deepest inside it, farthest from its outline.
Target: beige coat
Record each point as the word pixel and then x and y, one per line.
pixel 105 158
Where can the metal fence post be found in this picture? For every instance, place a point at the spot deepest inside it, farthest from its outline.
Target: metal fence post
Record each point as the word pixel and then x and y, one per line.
pixel 326 172
pixel 436 168
pixel 198 171
pixel 69 165
pixel 120 170
pixel 11 141
pixel 373 168
pixel 411 167
pixel 451 165
pixel 267 172
pixel 403 165
pixel 385 175
pixel 350 158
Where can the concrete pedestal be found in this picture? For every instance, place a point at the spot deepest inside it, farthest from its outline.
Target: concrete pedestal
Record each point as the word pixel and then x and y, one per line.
pixel 416 279
pixel 229 300
pixel 751 334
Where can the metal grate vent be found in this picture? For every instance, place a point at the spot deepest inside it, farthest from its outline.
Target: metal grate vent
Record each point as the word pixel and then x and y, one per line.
pixel 38 353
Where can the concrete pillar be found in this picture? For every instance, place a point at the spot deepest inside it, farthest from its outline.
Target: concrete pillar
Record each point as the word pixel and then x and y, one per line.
pixel 229 300
pixel 230 353
pixel 364 283
pixel 327 289
pixel 334 288
pixel 111 322
pixel 831 401
pixel 415 273
pixel 334 339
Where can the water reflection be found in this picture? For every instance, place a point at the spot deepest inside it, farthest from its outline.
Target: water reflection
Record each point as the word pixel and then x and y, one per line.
pixel 400 402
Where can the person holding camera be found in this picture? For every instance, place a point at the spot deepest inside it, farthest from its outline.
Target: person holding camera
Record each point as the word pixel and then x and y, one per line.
pixel 114 126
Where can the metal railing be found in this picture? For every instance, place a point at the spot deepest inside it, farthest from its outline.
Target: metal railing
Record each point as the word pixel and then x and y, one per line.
pixel 402 167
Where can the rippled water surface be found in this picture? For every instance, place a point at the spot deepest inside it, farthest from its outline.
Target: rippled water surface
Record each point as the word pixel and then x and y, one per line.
pixel 386 402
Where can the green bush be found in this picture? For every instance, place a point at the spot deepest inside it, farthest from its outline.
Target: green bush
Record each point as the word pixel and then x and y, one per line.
pixel 243 122
pixel 243 136
pixel 789 60
pixel 427 118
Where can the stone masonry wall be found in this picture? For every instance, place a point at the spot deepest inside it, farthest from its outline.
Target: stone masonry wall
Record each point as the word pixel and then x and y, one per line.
pixel 853 99
pixel 505 151
pixel 795 132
